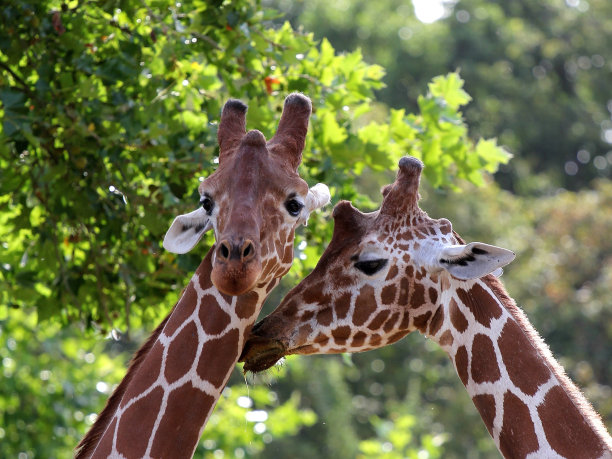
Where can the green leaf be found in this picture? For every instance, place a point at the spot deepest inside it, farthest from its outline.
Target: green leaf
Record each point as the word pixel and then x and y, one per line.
pixel 492 154
pixel 11 98
pixel 450 88
pixel 332 132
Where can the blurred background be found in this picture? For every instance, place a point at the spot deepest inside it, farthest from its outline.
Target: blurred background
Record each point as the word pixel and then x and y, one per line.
pixel 109 114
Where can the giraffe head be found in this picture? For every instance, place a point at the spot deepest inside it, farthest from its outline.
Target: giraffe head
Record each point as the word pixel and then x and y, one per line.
pixel 253 201
pixel 380 278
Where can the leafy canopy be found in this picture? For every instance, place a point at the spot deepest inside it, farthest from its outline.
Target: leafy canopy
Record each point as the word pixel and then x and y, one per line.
pixel 109 116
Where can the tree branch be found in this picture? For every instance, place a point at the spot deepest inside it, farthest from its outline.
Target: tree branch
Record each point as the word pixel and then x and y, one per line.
pixel 18 79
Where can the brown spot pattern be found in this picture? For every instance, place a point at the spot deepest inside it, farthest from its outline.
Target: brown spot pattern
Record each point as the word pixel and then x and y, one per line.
pixel 184 308
pixel 307 315
pixel 321 339
pixel 313 294
pixel 146 374
pixel 365 305
pixel 484 362
pixel 245 305
pixel 271 285
pixel 388 294
pixel 433 295
pixel 218 356
pixel 190 405
pixel 209 309
pixel 290 309
pixel 485 404
pixel 446 339
pixel 405 321
pixel 342 305
pixel 417 297
pixel 305 330
pixel 392 273
pixel 341 333
pixel 517 437
pixel 341 280
pixel 390 324
pixel 105 446
pixel 525 367
pixel 267 267
pixel 403 294
pixel 181 353
pixel 397 336
pixel 358 339
pixel 461 363
pixel 288 255
pixel 421 321
pixel 379 319
pixel 226 298
pixel 457 318
pixel 572 437
pixel 436 321
pixel 204 277
pixel 140 427
pixel 483 306
pixel 325 316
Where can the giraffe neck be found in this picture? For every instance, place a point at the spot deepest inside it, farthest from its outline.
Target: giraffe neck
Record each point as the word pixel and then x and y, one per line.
pixel 528 404
pixel 162 405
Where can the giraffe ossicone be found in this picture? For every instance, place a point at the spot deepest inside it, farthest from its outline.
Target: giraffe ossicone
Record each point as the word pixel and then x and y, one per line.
pixel 396 270
pixel 253 201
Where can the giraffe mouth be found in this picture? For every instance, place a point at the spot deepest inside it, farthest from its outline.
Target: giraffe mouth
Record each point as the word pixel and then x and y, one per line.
pixel 260 353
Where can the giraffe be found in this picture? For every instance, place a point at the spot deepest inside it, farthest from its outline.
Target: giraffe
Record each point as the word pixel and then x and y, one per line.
pixel 396 270
pixel 253 201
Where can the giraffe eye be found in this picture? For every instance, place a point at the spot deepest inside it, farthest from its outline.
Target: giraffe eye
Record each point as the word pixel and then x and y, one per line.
pixel 207 204
pixel 371 267
pixel 294 207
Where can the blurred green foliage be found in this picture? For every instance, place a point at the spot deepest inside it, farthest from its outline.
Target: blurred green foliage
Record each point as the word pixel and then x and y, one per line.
pixel 51 379
pixel 109 118
pixel 538 72
pixel 108 113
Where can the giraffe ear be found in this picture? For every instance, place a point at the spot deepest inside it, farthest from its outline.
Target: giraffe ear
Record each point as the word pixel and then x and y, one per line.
pixel 317 197
pixel 186 230
pixel 473 260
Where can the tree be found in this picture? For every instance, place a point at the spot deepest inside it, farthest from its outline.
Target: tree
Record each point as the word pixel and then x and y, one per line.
pixel 108 119
pixel 109 116
pixel 537 71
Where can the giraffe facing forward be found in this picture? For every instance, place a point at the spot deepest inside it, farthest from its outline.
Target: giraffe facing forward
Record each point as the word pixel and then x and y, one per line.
pixel 253 201
pixel 393 271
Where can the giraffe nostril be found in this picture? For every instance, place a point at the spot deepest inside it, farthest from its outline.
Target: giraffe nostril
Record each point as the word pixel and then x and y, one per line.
pixel 247 250
pixel 224 250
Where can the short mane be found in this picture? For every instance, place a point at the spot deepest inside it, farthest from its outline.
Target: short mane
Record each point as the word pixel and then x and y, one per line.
pixel 590 415
pixel 87 445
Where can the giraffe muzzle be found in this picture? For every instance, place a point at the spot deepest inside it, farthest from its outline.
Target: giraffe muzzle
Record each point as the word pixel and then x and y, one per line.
pixel 236 266
pixel 242 251
pixel 261 353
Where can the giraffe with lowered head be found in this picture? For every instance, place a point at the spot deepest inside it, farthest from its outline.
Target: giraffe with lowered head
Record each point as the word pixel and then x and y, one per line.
pixel 253 201
pixel 393 271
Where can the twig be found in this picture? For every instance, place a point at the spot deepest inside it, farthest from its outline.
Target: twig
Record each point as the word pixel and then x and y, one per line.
pixel 207 39
pixel 18 79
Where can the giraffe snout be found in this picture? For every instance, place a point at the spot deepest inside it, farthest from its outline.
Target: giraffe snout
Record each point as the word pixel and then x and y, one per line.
pixel 242 250
pixel 261 353
pixel 236 266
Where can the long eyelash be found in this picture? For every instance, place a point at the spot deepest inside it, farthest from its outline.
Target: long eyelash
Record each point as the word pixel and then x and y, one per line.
pixel 461 261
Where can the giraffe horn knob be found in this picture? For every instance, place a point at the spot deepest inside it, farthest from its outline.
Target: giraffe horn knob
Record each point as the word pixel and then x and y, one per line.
pixel 403 195
pixel 293 127
pixel 232 125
